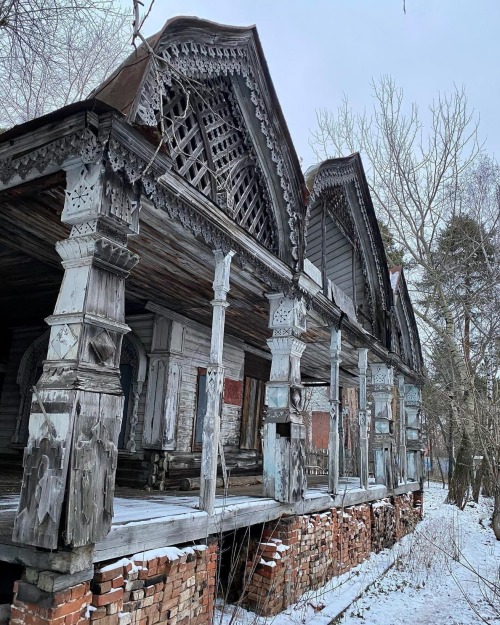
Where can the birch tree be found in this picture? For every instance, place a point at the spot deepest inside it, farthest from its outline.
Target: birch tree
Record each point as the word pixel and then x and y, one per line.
pixel 428 179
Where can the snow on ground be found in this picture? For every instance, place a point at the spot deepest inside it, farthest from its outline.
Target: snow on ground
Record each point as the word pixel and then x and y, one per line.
pixel 446 573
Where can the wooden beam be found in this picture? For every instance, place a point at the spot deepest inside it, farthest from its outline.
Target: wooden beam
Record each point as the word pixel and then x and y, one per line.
pixel 70 459
pixel 413 456
pixel 363 418
pixel 284 431
pixel 333 438
pixel 402 428
pixel 382 379
pixel 215 384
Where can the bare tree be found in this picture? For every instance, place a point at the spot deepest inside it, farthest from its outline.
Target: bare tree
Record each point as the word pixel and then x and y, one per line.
pixel 54 52
pixel 423 183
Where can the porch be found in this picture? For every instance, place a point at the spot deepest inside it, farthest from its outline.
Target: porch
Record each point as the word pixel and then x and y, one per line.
pixel 145 520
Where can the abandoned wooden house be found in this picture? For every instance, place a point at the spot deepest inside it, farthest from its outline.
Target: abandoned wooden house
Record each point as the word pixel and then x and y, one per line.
pixel 171 291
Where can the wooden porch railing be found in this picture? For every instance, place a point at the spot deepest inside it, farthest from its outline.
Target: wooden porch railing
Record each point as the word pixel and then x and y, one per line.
pixel 316 461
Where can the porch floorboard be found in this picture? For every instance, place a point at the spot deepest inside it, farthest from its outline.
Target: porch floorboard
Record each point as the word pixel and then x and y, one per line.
pixel 149 520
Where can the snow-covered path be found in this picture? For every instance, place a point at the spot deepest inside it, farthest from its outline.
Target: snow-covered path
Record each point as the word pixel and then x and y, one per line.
pixel 446 573
pixel 427 585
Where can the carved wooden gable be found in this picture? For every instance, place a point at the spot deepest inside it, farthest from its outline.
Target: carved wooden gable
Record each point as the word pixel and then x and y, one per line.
pixel 344 242
pixel 206 93
pixel 405 337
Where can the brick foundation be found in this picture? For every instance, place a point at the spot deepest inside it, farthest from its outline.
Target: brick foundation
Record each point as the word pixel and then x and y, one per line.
pixel 178 586
pixel 297 554
pixel 172 586
pixel 32 606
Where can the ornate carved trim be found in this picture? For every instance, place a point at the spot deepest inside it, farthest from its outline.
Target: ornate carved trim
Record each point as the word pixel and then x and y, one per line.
pixel 342 174
pixel 413 349
pixel 122 159
pixel 206 61
pixel 83 144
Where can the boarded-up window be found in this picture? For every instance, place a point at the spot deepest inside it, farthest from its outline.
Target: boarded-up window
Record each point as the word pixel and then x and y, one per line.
pixel 251 418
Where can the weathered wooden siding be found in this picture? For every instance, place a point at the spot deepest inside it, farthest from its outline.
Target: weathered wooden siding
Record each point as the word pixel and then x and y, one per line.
pixel 339 256
pixel 314 238
pixel 196 355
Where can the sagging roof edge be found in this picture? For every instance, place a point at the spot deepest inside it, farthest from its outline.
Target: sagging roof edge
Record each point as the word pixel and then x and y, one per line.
pixel 92 105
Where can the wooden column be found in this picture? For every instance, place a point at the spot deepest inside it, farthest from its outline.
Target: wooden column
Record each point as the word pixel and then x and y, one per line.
pixel 215 384
pixel 402 428
pixel 383 448
pixel 413 458
pixel 76 410
pixel 333 438
pixel 164 380
pixel 363 418
pixel 284 433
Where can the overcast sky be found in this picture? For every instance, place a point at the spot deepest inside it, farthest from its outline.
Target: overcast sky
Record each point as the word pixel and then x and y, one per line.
pixel 318 50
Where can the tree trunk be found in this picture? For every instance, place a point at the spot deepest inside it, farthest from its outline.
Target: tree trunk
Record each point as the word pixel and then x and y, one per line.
pixel 442 474
pixel 477 482
pixel 495 519
pixel 458 493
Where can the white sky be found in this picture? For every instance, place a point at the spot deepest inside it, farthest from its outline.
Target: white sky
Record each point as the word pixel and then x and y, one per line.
pixel 318 50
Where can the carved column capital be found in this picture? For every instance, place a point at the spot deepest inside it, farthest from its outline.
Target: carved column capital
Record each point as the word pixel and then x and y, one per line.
pixel 95 249
pixel 286 313
pixel 96 192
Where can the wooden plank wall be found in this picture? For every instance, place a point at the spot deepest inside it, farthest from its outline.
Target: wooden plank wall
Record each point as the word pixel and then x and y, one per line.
pixel 142 327
pixel 338 256
pixel 196 355
pixel 314 239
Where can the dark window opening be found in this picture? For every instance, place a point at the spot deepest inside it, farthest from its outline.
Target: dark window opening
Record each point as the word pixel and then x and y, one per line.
pixel 126 382
pixel 201 410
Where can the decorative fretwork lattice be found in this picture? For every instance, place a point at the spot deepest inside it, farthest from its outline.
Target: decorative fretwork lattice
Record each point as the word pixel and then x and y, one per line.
pixel 337 204
pixel 185 141
pixel 224 136
pixel 211 148
pixel 250 208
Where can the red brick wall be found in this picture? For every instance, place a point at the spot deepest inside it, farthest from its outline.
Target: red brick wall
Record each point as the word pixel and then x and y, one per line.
pixel 178 586
pixel 32 606
pixel 302 553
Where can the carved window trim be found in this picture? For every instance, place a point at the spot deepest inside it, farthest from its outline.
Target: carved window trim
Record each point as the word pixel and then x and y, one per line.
pixel 31 361
pixel 133 353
